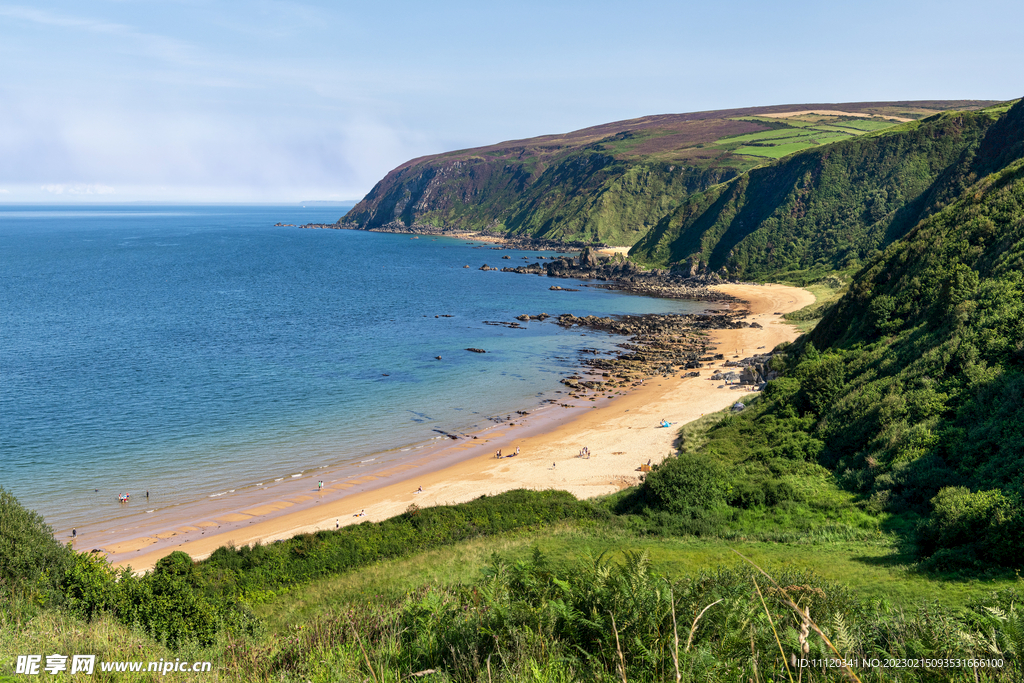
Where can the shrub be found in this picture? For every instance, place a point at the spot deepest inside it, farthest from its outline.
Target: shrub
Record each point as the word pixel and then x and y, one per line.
pixel 31 559
pixel 89 586
pixel 967 527
pixel 167 603
pixel 685 483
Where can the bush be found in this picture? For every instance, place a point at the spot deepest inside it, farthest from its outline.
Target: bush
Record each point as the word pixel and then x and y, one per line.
pixel 31 559
pixel 684 483
pixel 168 603
pixel 967 527
pixel 89 586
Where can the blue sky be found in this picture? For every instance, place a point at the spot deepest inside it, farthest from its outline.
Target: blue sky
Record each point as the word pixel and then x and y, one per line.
pixel 280 101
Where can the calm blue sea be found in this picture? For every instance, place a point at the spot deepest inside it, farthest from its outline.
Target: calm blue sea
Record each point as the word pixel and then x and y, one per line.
pixel 185 350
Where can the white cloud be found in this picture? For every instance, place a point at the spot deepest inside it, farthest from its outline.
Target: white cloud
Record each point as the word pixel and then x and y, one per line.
pixel 78 189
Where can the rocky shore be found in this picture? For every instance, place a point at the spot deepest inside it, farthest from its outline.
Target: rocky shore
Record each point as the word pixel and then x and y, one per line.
pixel 662 345
pixel 685 281
pixel 622 274
pixel 656 345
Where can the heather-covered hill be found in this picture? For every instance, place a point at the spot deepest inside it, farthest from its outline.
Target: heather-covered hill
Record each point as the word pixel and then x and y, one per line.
pixel 614 182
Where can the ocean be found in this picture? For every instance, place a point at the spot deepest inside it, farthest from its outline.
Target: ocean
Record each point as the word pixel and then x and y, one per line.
pixel 193 350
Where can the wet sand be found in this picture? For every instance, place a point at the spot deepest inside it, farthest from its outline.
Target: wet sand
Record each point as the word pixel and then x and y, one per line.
pixel 621 433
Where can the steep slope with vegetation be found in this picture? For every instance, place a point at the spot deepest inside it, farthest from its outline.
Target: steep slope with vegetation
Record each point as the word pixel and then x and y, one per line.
pixel 615 182
pixel 911 389
pixel 826 208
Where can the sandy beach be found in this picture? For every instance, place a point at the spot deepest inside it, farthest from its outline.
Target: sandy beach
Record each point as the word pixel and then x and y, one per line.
pixel 621 432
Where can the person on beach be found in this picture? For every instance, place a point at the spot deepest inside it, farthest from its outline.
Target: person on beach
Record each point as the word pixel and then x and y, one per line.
pixel 74 533
pixel 517 450
pixel 419 490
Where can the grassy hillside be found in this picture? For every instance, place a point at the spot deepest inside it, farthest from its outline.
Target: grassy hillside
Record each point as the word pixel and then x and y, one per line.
pixel 909 391
pixel 554 601
pixel 827 208
pixel 611 183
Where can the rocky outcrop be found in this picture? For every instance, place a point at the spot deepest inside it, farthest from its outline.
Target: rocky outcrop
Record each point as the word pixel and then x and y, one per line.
pixel 753 371
pixel 622 274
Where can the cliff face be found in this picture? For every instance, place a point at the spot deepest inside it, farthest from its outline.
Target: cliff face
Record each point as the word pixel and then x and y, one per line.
pixel 612 183
pixel 584 194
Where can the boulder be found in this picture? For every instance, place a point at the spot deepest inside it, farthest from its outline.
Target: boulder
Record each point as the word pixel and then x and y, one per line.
pixel 588 259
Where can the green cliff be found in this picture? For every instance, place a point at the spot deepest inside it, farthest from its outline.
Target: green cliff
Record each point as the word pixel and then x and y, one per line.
pixel 824 209
pixel 911 388
pixel 613 183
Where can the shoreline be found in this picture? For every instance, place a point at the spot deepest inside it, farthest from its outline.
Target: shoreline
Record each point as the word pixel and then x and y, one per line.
pixel 621 431
pixel 505 240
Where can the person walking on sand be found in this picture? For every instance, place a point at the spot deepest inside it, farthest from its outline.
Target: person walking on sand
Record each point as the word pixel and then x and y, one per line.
pixel 517 450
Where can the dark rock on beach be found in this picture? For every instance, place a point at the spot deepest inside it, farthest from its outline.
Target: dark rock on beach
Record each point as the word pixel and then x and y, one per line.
pixel 617 272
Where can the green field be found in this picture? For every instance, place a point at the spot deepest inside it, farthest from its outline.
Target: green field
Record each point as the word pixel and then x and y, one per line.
pixel 766 136
pixel 776 151
pixel 796 134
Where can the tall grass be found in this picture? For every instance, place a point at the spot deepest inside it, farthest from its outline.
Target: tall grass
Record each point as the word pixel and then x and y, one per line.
pixel 595 620
pixel 586 619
